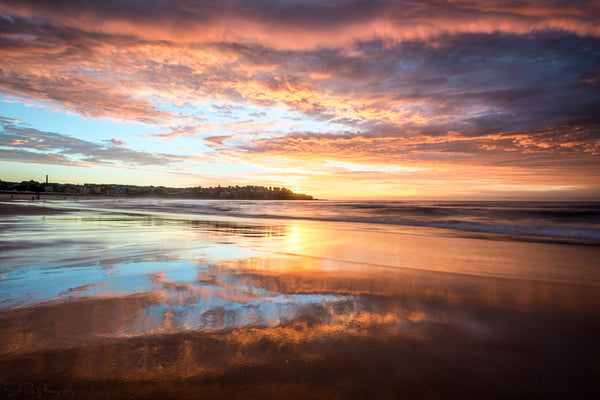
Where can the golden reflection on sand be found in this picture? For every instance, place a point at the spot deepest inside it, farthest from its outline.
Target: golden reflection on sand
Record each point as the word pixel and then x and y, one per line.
pixel 431 249
pixel 384 354
pixel 289 274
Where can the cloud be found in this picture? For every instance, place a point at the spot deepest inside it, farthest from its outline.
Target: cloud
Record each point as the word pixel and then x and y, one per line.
pixel 69 70
pixel 10 120
pixel 572 145
pixel 175 131
pixel 23 144
pixel 25 156
pixel 309 24
pixel 116 142
pixel 217 140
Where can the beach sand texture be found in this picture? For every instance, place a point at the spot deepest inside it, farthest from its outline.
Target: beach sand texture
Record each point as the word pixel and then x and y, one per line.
pixel 102 302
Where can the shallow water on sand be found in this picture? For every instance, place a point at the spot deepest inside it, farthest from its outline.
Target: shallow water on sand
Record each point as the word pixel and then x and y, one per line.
pixel 243 307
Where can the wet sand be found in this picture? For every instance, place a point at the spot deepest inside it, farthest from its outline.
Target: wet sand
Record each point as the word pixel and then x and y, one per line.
pixel 113 305
pixel 27 209
pixel 302 360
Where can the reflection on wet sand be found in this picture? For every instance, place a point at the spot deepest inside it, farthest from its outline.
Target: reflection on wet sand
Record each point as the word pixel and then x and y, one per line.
pixel 362 355
pixel 175 309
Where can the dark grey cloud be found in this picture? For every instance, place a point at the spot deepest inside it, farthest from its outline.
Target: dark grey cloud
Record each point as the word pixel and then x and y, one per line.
pixel 308 14
pixel 478 84
pixel 25 156
pixel 258 114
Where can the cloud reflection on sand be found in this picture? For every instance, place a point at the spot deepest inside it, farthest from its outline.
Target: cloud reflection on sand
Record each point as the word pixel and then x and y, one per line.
pixel 158 294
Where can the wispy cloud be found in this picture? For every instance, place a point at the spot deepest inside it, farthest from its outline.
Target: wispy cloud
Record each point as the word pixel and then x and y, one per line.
pixel 217 140
pixel 23 144
pixel 175 131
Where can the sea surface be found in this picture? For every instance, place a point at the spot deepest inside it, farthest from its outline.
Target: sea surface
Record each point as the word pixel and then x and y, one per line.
pixel 299 299
pixel 563 220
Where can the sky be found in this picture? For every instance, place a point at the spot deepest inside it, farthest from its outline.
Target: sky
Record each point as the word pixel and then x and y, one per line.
pixel 340 99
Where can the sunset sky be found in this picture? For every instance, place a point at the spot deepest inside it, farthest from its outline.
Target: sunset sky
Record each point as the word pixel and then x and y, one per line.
pixel 339 99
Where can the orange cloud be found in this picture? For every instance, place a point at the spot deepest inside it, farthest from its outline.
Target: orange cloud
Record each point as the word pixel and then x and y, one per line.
pixel 311 25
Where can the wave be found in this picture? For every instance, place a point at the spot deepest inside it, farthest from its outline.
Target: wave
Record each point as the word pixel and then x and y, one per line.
pixel 555 220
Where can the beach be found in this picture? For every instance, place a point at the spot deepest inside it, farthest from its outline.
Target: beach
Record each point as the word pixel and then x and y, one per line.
pixel 118 298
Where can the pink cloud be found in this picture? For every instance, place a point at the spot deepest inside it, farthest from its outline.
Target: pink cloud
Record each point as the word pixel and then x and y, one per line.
pixel 117 142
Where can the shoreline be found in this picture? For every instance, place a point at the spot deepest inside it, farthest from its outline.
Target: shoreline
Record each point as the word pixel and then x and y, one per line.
pixel 36 197
pixel 20 209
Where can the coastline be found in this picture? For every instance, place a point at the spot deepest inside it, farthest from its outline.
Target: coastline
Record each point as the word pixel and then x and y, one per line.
pixel 33 197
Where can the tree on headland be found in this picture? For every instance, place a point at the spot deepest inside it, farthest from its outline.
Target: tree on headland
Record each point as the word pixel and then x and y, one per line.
pixel 220 192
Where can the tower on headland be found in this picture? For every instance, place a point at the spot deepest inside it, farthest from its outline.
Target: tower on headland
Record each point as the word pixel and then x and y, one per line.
pixel 46 178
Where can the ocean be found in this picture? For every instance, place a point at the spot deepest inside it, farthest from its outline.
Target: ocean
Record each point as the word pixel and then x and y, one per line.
pixel 561 220
pixel 300 299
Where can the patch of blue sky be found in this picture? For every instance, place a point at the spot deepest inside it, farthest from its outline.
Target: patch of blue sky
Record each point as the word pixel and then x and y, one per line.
pixel 180 145
pixel 240 173
pixel 234 118
pixel 186 112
